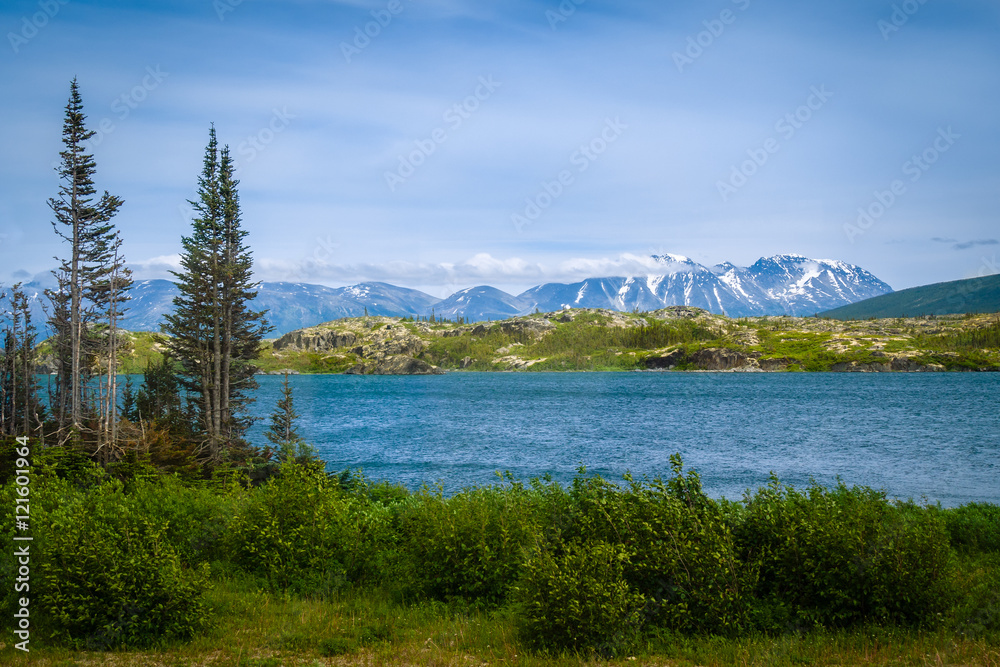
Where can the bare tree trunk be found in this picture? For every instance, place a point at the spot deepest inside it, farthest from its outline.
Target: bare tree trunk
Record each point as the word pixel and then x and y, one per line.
pixel 75 319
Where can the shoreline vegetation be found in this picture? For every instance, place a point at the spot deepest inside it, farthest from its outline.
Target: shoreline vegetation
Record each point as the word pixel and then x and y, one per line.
pixel 679 338
pixel 131 565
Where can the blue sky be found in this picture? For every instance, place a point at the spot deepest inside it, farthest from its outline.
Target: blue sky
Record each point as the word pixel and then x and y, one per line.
pixel 513 143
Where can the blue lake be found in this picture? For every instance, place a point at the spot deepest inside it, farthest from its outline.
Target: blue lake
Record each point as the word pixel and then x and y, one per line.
pixel 933 435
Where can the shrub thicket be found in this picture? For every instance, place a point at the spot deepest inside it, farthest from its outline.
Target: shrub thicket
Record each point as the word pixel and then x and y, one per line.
pixel 593 566
pixel 672 552
pixel 108 575
pixel 974 527
pixel 577 596
pixel 843 556
pixel 469 545
pixel 296 532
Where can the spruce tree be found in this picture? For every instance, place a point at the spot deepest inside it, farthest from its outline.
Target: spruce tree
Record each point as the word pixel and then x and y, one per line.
pixel 284 434
pixel 86 225
pixel 215 334
pixel 282 430
pixel 110 295
pixel 21 410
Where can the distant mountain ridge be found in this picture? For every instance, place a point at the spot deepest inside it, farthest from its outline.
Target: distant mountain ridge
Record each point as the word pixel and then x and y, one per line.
pixel 777 285
pixel 956 297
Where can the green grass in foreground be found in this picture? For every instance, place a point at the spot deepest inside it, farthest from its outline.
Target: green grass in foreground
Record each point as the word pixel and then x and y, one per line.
pixel 256 628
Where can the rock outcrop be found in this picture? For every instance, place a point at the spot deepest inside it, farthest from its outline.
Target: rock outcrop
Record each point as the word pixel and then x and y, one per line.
pixel 723 359
pixel 315 340
pixel 394 365
pixel 667 361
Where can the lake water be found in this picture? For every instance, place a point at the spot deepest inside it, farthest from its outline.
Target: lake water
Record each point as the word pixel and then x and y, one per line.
pixel 933 435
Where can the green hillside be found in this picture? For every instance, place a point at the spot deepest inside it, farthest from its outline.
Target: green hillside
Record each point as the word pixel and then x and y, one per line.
pixel 974 295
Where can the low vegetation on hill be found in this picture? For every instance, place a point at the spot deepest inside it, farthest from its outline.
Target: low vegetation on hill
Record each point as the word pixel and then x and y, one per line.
pixel 677 338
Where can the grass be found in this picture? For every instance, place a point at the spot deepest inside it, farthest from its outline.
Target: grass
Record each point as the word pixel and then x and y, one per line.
pixel 258 628
pixel 335 361
pixel 146 349
pixel 590 342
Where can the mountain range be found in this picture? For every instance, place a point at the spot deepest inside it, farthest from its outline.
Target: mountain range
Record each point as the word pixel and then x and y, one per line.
pixel 778 285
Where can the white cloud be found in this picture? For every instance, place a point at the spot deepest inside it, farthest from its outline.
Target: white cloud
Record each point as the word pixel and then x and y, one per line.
pixel 480 269
pixel 156 267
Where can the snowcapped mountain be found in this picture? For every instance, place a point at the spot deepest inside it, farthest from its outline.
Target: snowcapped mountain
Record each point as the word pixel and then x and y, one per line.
pixel 778 285
pixel 797 285
pixel 479 303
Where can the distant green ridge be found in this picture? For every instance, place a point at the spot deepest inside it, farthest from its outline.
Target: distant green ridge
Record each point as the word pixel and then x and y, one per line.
pixel 973 295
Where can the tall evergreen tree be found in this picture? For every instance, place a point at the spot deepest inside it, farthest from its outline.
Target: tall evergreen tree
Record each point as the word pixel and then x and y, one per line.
pixel 58 319
pixel 86 225
pixel 215 335
pixel 110 295
pixel 21 410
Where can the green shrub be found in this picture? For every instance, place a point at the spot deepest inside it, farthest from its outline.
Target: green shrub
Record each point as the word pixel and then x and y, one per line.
pixel 681 554
pixel 196 518
pixel 292 531
pixel 468 546
pixel 977 613
pixel 302 532
pixel 108 576
pixel 974 527
pixel 576 596
pixel 843 556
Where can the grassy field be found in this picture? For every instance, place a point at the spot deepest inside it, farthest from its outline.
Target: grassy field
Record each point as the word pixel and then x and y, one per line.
pixel 254 628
